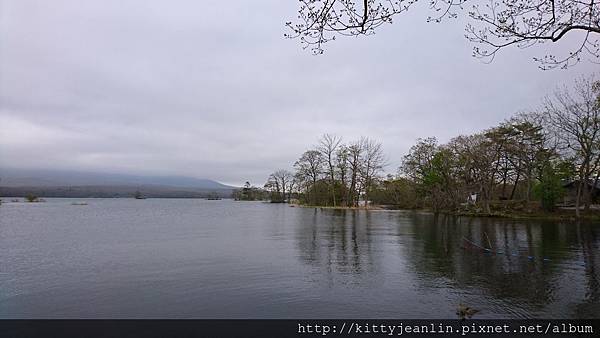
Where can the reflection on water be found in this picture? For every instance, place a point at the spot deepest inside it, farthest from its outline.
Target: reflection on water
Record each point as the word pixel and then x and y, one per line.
pixel 541 263
pixel 533 267
pixel 226 259
pixel 336 240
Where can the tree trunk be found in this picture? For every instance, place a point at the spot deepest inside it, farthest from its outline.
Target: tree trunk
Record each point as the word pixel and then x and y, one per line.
pixel 578 199
pixel 314 195
pixel 586 199
pixel 352 191
pixel 512 193
pixel 504 179
pixel 593 188
pixel 342 189
pixel 283 194
pixel 331 179
pixel 367 184
pixel 332 183
pixel 528 192
pixel 486 203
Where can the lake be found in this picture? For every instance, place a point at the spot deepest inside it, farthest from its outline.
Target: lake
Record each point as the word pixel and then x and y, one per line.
pixel 191 258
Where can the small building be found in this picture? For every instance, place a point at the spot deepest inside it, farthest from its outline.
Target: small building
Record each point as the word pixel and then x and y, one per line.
pixel 571 191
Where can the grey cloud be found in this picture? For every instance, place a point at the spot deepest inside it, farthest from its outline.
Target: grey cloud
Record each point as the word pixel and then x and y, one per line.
pixel 212 89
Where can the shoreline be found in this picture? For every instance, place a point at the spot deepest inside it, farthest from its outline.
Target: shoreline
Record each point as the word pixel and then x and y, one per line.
pixel 550 216
pixel 530 216
pixel 375 207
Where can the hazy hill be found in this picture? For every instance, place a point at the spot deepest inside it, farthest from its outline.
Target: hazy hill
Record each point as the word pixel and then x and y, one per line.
pixel 55 183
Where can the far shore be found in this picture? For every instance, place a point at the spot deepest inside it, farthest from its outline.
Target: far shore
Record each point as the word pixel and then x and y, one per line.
pixel 373 207
pixel 561 214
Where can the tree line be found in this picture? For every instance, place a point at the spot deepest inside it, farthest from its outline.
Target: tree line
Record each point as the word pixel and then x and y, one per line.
pixel 529 157
pixel 333 173
pixel 250 193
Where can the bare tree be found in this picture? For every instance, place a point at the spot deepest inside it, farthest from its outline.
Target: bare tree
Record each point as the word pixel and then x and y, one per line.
pixel 319 21
pixel 341 166
pixel 527 23
pixel 495 23
pixel 309 169
pixel 355 154
pixel 274 187
pixel 574 118
pixel 373 162
pixel 328 146
pixel 280 183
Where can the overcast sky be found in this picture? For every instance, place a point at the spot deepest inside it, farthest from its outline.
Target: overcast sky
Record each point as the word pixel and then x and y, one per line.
pixel 211 89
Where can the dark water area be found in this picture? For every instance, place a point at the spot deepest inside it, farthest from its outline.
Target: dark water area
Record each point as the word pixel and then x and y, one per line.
pixel 186 258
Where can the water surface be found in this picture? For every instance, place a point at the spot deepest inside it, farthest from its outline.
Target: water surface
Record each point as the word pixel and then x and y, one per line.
pixel 188 258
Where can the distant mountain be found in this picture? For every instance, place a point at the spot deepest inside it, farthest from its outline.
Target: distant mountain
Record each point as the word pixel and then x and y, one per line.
pixel 57 183
pixel 36 177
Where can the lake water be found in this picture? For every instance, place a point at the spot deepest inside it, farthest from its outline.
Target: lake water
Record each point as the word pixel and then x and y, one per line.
pixel 187 258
